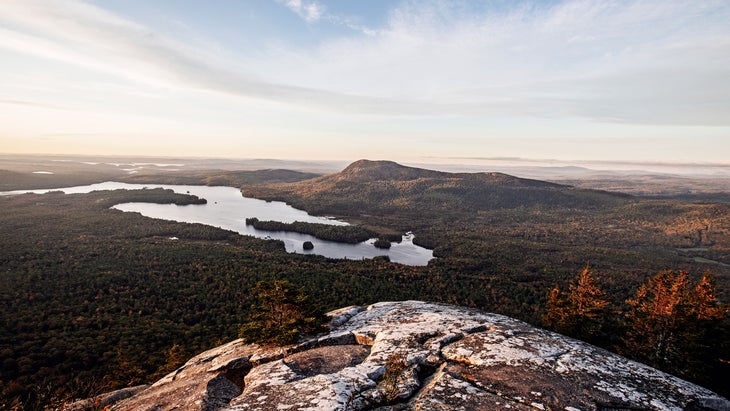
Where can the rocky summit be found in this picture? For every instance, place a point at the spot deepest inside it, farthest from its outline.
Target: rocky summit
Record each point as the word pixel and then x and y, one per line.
pixel 417 356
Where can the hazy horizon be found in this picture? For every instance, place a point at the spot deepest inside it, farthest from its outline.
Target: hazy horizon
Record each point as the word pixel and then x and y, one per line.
pixel 525 167
pixel 546 82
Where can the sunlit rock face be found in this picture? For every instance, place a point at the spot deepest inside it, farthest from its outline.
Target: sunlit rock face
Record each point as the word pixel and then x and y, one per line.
pixel 420 356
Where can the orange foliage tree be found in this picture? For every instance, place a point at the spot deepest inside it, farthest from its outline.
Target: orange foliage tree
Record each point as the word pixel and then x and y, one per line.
pixel 670 322
pixel 580 312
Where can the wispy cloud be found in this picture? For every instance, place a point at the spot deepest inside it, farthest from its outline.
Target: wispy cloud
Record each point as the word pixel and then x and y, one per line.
pixel 84 35
pixel 646 62
pixel 314 12
pixel 310 11
pixel 643 62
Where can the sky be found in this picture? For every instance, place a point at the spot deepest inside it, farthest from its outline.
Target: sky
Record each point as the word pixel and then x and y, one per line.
pixel 426 80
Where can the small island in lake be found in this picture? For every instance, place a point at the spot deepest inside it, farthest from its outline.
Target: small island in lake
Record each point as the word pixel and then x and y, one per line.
pixel 382 243
pixel 341 233
pixel 308 245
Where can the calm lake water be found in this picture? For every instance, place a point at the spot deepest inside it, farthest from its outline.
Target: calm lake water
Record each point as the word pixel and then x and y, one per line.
pixel 228 209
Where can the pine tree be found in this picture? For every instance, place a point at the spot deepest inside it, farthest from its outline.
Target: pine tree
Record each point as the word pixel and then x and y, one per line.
pixel 655 321
pixel 283 313
pixel 706 338
pixel 669 322
pixel 581 312
pixel 556 310
pixel 705 306
pixel 125 372
pixel 174 358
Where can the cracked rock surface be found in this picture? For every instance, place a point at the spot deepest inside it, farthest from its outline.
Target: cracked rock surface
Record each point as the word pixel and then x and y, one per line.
pixel 413 355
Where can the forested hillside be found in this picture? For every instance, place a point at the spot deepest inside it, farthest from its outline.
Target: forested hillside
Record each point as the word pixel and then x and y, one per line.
pixel 385 187
pixel 495 223
pixel 219 177
pixel 95 294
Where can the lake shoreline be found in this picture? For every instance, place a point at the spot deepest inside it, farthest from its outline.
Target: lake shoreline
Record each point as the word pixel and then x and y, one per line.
pixel 228 208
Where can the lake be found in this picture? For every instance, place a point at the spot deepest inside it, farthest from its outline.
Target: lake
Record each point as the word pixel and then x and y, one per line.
pixel 227 208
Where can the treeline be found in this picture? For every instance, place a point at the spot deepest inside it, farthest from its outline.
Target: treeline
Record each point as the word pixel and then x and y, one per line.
pixel 669 323
pixel 351 234
pixel 229 178
pixel 152 195
pixel 95 294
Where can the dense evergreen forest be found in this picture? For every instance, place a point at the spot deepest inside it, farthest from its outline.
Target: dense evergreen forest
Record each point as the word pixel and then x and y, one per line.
pixel 99 299
pixel 93 293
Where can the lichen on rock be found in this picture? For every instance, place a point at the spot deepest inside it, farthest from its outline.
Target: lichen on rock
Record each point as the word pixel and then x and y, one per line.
pixel 450 358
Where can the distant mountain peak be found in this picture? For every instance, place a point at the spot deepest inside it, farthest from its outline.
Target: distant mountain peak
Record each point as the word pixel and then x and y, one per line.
pixel 385 170
pixel 365 163
pixel 385 187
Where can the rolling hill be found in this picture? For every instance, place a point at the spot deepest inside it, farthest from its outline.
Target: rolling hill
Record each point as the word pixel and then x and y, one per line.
pixel 387 187
pixel 497 224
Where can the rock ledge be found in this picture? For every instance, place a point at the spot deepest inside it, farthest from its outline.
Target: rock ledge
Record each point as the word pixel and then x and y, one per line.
pixel 447 358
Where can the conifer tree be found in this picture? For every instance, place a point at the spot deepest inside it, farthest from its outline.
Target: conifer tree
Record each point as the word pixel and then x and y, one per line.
pixel 581 312
pixel 282 314
pixel 125 372
pixel 670 322
pixel 707 339
pixel 174 358
pixel 556 310
pixel 705 306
